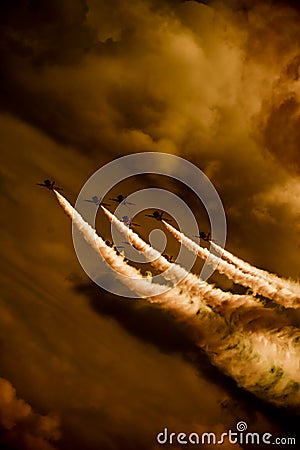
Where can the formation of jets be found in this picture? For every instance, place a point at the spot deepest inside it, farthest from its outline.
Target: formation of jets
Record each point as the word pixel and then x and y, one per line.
pixel 121 199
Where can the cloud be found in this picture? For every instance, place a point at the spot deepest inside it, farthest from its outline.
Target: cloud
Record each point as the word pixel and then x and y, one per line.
pixel 23 426
pixel 277 122
pixel 71 348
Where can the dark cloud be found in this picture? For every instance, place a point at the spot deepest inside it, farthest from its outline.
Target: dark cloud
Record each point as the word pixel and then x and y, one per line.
pixel 152 325
pixel 273 42
pixel 281 133
pixel 44 33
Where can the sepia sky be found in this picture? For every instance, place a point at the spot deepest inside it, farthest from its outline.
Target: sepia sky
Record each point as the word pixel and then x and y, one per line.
pixel 82 83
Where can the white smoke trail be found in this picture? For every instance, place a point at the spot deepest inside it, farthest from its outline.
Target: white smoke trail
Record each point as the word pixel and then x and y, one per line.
pixel 258 284
pixel 172 272
pixel 264 361
pixel 130 276
pixel 224 302
pixel 272 278
pixel 214 297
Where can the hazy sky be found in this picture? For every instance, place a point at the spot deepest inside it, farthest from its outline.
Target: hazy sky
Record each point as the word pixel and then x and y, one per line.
pixel 84 82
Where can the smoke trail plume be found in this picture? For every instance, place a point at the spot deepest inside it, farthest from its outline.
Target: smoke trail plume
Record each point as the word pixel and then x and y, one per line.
pixel 241 309
pixel 130 276
pixel 248 268
pixel 244 310
pixel 172 272
pixel 177 274
pixel 263 359
pixel 259 285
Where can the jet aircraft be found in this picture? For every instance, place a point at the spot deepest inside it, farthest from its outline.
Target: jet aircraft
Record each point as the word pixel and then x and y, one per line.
pixel 158 215
pixel 49 185
pixel 128 222
pixel 122 200
pixel 168 258
pixel 204 236
pixel 97 201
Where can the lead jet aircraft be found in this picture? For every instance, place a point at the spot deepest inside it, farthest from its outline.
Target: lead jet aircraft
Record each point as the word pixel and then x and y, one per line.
pixel 50 185
pixel 97 201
